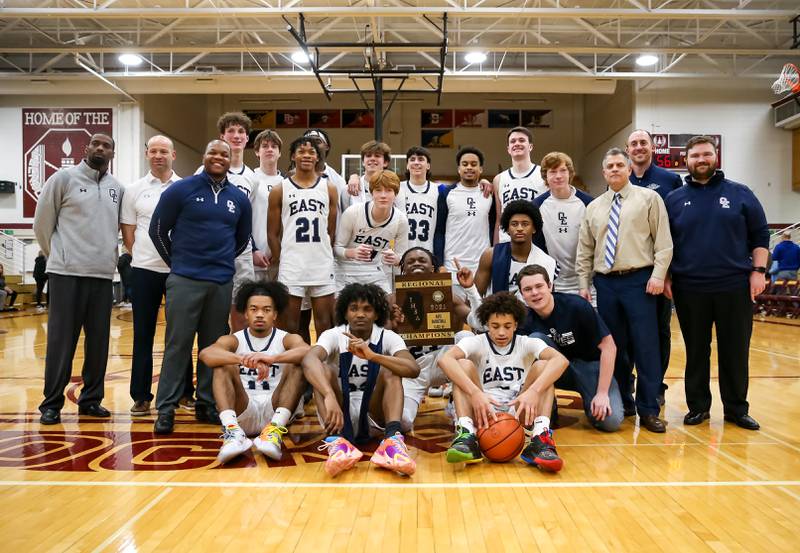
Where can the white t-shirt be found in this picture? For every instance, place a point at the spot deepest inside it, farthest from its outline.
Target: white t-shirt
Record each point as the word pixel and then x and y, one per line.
pixel 502 371
pixel 358 227
pixel 421 203
pixel 562 223
pixel 537 256
pixel 272 344
pixel 467 227
pixel 260 199
pixel 334 342
pixel 519 187
pixel 138 203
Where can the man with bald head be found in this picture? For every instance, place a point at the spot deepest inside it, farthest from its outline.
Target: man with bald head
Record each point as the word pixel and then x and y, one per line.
pixel 200 225
pixel 77 225
pixel 649 175
pixel 149 272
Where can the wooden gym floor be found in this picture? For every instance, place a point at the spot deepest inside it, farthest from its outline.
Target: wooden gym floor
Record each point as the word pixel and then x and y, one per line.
pixel 114 486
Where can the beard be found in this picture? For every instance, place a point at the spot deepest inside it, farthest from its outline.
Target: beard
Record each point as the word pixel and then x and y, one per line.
pixel 703 172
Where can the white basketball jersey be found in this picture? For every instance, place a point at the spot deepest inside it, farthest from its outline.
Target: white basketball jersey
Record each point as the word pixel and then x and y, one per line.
pixel 502 372
pixel 421 203
pixel 562 223
pixel 306 253
pixel 271 345
pixel 467 227
pixel 357 228
pixel 519 187
pixel 260 199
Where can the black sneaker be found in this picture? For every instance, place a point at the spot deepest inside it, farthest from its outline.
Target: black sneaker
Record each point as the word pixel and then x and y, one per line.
pixel 464 448
pixel 207 413
pixel 541 452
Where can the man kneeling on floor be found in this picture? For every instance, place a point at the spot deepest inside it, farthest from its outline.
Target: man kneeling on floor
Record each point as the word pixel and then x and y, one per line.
pixel 258 382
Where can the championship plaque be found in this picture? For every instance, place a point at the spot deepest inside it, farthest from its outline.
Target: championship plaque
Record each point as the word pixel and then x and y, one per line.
pixel 427 304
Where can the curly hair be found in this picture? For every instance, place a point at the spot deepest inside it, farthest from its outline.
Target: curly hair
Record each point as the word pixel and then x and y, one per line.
pixel 521 207
pixel 275 290
pixel 501 303
pixel 234 118
pixel 297 142
pixel 434 260
pixel 469 150
pixel 369 293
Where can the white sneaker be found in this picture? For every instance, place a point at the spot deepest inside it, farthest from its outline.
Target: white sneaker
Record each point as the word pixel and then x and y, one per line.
pixel 436 391
pixel 235 443
pixel 270 441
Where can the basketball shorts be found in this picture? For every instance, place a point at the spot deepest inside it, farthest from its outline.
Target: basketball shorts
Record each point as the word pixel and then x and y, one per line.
pixel 244 270
pixel 259 412
pixel 314 291
pixel 381 280
pixel 414 389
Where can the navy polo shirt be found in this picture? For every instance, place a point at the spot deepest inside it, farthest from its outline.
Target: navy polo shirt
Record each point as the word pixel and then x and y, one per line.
pixel 658 180
pixel 574 326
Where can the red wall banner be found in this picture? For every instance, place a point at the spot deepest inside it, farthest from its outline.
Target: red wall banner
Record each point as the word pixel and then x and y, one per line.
pixel 53 138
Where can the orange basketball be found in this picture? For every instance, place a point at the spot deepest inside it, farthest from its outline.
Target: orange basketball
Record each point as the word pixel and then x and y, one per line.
pixel 503 439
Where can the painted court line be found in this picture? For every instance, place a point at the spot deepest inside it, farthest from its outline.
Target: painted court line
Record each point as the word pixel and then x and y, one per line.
pixel 403 485
pixel 126 527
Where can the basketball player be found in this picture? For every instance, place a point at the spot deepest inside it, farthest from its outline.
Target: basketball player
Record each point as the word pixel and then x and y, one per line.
pixel 375 156
pixel 421 198
pixel 466 219
pixel 331 173
pixel 356 370
pixel 418 261
pixel 503 371
pixel 267 146
pixel 257 374
pixel 367 231
pixel 562 208
pixel 300 227
pixel 521 181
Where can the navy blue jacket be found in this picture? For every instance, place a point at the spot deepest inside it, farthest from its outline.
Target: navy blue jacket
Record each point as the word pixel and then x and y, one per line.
pixel 714 231
pixel 199 232
pixel 538 238
pixel 658 180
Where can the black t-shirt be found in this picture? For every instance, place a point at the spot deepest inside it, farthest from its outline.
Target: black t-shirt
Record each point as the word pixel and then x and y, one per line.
pixel 574 326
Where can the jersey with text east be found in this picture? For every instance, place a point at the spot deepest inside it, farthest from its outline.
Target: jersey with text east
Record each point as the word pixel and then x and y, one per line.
pixel 271 345
pixel 421 202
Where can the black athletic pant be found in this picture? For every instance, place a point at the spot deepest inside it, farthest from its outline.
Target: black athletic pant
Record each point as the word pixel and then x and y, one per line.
pixel 77 303
pixel 40 282
pixel 732 315
pixel 148 291
pixel 193 307
pixel 664 314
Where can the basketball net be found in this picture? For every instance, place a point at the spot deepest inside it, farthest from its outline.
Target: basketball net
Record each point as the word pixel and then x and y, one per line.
pixel 789 80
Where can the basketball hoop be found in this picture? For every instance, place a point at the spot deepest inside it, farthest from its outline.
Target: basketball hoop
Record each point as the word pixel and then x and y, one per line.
pixel 788 80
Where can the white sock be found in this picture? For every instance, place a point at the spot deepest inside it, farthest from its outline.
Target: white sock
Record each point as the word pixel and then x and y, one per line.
pixel 228 418
pixel 467 424
pixel 540 424
pixel 281 417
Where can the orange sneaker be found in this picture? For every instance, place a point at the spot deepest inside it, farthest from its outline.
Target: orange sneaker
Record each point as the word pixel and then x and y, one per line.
pixel 393 454
pixel 342 455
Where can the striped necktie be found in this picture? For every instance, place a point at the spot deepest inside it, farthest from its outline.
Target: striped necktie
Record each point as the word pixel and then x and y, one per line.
pixel 613 230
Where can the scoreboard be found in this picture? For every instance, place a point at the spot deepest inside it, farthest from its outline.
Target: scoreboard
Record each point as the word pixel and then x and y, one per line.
pixel 669 150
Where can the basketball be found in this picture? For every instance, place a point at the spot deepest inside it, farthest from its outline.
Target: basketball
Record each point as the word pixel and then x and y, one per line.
pixel 503 439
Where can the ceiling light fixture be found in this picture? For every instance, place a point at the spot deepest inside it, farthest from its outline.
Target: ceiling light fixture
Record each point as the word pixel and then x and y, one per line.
pixel 130 59
pixel 298 56
pixel 475 57
pixel 646 60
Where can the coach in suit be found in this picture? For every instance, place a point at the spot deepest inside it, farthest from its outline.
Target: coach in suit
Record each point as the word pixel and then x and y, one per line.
pixel 625 242
pixel 721 248
pixel 77 227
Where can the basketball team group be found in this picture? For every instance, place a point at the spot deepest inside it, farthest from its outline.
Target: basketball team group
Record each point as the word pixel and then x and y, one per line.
pixel 551 289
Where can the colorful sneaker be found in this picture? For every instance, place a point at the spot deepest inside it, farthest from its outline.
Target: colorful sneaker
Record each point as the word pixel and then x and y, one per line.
pixel 541 452
pixel 342 455
pixel 270 440
pixel 464 448
pixel 393 454
pixel 235 442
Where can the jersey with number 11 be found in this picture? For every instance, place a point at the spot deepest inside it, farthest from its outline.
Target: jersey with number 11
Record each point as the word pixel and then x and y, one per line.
pixel 306 253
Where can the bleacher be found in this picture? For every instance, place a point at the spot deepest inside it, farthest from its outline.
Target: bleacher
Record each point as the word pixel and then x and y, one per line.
pixel 779 299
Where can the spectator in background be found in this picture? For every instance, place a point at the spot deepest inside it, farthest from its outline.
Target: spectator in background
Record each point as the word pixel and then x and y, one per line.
pixel 787 254
pixel 40 276
pixel 6 292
